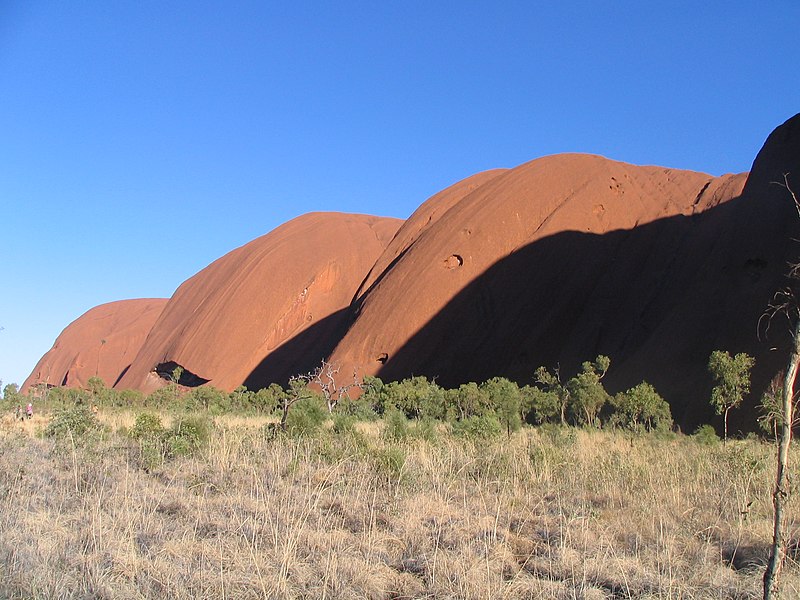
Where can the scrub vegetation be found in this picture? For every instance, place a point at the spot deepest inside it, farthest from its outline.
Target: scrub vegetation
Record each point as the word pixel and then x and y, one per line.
pixel 491 490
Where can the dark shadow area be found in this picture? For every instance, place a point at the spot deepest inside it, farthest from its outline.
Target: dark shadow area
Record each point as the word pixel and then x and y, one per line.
pixel 300 354
pixel 657 299
pixel 187 379
pixel 121 375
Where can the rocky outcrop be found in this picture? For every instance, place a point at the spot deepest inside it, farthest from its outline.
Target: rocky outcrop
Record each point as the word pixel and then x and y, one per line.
pixel 267 310
pixel 549 263
pixel 102 342
pixel 571 256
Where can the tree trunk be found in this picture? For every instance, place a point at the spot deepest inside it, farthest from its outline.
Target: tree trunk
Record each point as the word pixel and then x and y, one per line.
pixel 725 421
pixel 284 414
pixel 780 494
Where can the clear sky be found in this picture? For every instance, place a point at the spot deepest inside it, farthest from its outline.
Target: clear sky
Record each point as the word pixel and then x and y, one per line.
pixel 142 139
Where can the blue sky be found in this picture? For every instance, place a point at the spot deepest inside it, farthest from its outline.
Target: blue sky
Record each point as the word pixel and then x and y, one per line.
pixel 141 140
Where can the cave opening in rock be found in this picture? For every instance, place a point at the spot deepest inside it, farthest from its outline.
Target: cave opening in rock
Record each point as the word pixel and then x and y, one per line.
pixel 166 371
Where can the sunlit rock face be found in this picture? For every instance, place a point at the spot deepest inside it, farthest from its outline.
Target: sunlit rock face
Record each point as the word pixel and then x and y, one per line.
pixel 549 263
pixel 102 342
pixel 570 256
pixel 267 310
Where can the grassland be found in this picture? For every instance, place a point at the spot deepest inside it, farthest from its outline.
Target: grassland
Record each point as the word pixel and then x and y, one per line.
pixel 549 513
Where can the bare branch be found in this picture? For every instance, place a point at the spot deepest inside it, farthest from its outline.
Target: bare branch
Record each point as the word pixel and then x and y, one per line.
pixel 788 188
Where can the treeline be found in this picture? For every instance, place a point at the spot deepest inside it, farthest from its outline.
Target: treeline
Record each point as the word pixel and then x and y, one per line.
pixel 581 400
pixel 497 403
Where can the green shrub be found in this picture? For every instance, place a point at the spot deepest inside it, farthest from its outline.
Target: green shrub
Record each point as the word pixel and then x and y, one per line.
pixel 208 398
pixel 131 398
pixel 559 436
pixel 148 426
pixel 268 400
pixel 426 429
pixel 478 428
pixel 359 409
pixel 373 394
pixel 76 422
pixel 469 400
pixel 306 417
pixel 705 434
pixel 151 437
pixel 395 425
pixel 162 396
pixel 343 423
pixel 187 436
pixel 416 397
pixel 539 406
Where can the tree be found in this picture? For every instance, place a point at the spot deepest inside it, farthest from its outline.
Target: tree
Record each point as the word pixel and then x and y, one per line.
pixel 586 391
pixel 787 304
pixel 732 375
pixel 470 400
pixel 772 407
pixel 175 380
pixel 504 398
pixel 641 408
pixel 373 394
pixel 11 393
pixel 327 378
pixel 268 399
pixel 416 397
pixel 539 406
pixel 551 384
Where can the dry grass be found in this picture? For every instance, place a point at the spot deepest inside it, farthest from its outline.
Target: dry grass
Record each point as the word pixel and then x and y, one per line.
pixel 548 514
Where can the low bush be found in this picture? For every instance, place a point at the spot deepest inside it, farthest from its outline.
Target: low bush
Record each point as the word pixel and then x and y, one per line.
pixel 343 423
pixel 426 429
pixel 147 426
pixel 306 417
pixel 187 436
pixel 151 437
pixel 395 425
pixel 359 409
pixel 478 428
pixel 706 434
pixel 559 436
pixel 76 422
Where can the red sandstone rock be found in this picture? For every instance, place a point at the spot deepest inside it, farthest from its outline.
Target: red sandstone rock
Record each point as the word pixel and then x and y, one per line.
pixel 103 342
pixel 505 213
pixel 267 310
pixel 570 256
pixel 549 263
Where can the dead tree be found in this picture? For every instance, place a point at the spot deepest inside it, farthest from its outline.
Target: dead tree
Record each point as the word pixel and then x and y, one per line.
pixel 326 377
pixel 787 304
